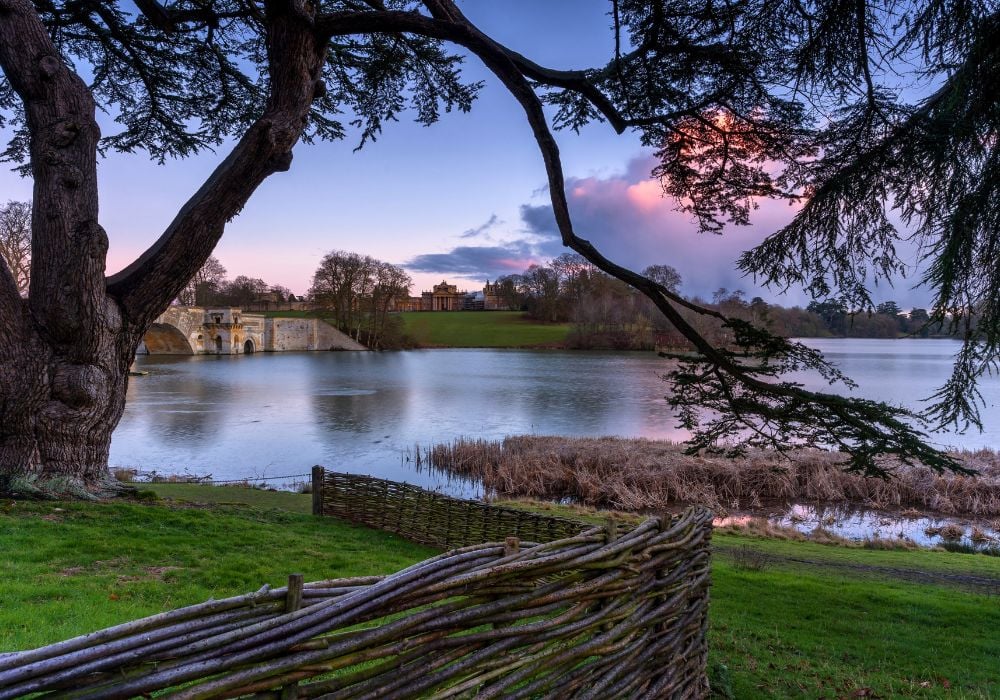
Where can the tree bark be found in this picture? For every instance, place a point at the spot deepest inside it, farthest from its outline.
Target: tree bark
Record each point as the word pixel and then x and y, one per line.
pixel 58 409
pixel 66 352
pixel 67 349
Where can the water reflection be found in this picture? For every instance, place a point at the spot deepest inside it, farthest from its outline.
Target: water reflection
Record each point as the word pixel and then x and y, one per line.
pixel 270 413
pixel 187 408
pixel 906 372
pixel 249 416
pixel 853 523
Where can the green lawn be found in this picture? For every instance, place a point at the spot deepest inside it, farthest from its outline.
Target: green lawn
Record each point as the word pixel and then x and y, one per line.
pixel 796 630
pixel 481 329
pixel 198 493
pixel 468 329
pixel 814 621
pixel 70 568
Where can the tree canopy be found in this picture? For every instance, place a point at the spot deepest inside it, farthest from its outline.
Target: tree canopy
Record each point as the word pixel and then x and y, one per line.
pixel 877 118
pixel 360 291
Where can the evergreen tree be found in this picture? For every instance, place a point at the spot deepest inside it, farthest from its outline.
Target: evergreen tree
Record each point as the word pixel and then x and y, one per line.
pixel 805 100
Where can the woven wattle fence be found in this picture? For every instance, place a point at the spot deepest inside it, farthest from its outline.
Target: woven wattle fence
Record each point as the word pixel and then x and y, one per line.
pixel 427 517
pixel 595 615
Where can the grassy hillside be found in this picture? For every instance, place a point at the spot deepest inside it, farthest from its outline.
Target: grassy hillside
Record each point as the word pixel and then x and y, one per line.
pixel 482 329
pixel 467 329
pixel 787 619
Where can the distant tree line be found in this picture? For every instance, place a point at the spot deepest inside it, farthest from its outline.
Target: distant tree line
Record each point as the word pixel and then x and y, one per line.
pixel 211 287
pixel 606 313
pixel 359 291
pixel 356 293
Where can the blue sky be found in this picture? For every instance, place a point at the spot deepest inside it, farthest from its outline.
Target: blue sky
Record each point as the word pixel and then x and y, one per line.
pixel 461 200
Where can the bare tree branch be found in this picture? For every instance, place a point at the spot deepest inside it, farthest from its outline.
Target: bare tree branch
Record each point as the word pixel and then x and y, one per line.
pixel 866 429
pixel 15 242
pixel 295 57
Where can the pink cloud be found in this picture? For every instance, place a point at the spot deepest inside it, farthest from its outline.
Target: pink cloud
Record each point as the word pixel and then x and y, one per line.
pixel 646 195
pixel 627 217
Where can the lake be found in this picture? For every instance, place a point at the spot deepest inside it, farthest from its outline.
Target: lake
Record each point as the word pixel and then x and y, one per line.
pixel 277 414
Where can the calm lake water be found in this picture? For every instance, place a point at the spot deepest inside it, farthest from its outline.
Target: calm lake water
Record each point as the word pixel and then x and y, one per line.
pixel 277 414
pixel 280 413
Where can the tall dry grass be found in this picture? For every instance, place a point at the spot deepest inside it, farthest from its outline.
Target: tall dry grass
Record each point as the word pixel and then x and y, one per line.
pixel 639 474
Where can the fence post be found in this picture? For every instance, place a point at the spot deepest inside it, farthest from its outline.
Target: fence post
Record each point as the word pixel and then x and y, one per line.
pixel 293 602
pixel 293 599
pixel 317 490
pixel 610 530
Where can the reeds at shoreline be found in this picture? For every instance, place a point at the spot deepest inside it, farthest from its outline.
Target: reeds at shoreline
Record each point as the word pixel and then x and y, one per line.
pixel 640 474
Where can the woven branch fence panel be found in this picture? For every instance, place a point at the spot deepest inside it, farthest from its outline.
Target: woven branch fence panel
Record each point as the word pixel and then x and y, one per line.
pixel 424 516
pixel 589 616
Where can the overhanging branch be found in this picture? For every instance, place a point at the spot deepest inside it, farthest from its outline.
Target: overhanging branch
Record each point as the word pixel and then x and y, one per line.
pixel 866 429
pixel 442 26
pixel 170 20
pixel 295 58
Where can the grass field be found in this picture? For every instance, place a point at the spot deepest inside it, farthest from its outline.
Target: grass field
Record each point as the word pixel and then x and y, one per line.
pixel 482 329
pixel 71 568
pixel 468 329
pixel 199 493
pixel 794 620
pixel 796 630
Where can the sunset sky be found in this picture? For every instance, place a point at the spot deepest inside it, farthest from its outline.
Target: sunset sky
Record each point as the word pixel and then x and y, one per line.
pixel 462 200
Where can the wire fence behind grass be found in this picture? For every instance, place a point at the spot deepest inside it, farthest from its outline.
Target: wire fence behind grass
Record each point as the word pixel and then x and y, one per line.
pixel 595 615
pixel 154 477
pixel 427 517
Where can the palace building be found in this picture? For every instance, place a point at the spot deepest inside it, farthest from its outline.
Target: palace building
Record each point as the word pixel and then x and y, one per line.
pixel 443 297
pixel 447 297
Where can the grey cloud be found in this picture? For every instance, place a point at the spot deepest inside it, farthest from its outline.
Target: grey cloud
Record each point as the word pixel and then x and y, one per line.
pixel 482 229
pixel 477 261
pixel 540 220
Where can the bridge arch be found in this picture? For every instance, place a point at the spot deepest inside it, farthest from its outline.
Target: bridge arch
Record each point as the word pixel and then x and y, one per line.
pixel 165 339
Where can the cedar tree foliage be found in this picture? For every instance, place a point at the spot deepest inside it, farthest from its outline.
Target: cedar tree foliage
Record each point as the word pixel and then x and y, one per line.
pixel 867 112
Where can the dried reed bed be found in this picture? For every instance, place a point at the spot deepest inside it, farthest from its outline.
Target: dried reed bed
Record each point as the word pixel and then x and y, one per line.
pixel 639 474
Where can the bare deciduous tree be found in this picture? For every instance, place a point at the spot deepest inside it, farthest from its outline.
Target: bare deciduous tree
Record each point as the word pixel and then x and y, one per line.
pixel 204 287
pixel 360 292
pixel 15 241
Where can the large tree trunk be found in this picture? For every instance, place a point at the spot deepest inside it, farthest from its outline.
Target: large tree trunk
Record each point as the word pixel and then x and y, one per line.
pixel 58 408
pixel 66 349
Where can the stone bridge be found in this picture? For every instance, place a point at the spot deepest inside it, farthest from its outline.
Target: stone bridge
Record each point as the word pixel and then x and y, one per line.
pixel 193 330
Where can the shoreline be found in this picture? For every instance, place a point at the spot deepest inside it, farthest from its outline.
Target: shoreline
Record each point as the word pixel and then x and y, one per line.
pixel 810 490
